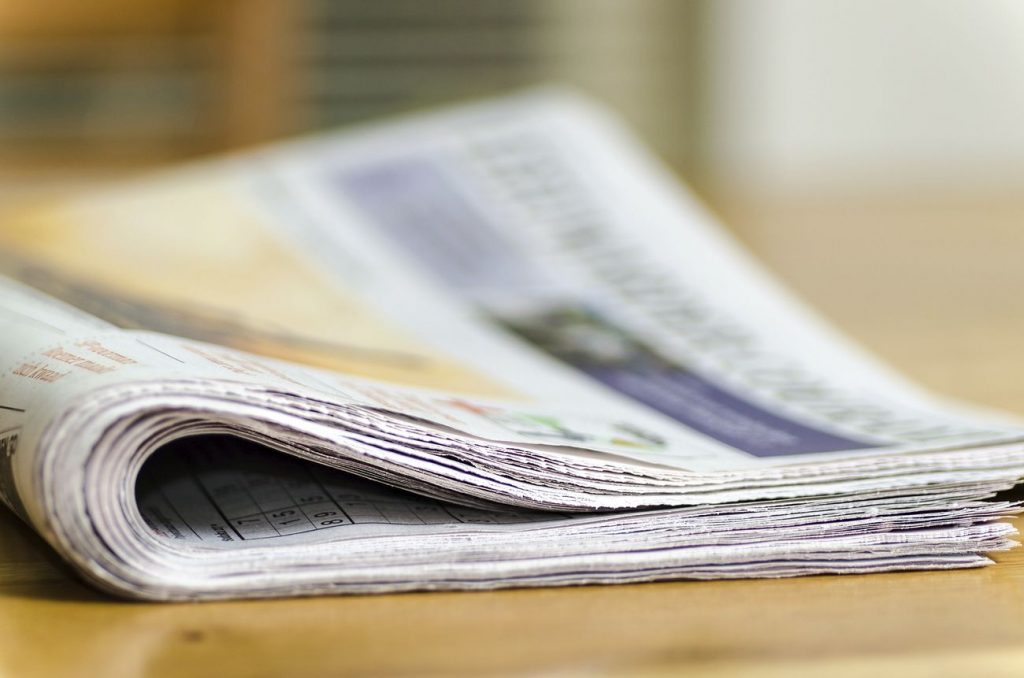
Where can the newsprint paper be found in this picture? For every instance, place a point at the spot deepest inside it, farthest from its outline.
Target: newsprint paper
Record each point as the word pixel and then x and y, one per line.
pixel 497 346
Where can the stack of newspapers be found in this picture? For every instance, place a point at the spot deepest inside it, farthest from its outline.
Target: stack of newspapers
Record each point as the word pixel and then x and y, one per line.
pixel 495 346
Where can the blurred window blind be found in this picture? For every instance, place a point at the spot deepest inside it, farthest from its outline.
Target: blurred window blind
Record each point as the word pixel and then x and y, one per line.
pixel 201 76
pixel 364 58
pixel 124 91
pixel 105 79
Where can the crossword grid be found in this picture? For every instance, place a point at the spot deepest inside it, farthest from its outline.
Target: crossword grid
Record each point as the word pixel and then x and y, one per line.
pixel 261 495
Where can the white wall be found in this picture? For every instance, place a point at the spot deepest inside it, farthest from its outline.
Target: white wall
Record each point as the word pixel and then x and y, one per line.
pixel 890 94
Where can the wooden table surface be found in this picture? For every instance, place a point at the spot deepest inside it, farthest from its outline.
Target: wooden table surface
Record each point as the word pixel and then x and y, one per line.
pixel 933 286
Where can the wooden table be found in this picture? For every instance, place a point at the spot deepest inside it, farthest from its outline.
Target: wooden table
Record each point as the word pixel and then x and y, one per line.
pixel 935 287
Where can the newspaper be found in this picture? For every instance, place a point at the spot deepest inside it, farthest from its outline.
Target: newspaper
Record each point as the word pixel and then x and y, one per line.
pixel 487 347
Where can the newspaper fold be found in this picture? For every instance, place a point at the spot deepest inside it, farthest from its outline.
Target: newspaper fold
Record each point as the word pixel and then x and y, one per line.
pixel 490 347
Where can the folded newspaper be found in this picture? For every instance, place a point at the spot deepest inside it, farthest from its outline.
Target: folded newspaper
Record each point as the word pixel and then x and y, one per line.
pixel 496 346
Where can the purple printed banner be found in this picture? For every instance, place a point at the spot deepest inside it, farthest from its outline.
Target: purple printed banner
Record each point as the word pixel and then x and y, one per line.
pixel 426 216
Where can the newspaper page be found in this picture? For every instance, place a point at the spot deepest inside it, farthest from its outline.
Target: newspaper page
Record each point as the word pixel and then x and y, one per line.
pixel 461 330
pixel 515 249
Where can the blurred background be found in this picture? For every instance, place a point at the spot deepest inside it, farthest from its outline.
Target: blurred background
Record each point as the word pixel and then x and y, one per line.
pixel 129 81
pixel 870 151
pixel 791 96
